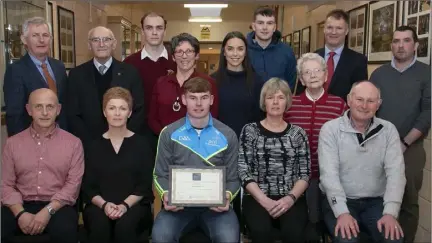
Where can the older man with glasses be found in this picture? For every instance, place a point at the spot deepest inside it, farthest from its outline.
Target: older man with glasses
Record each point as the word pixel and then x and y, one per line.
pixel 89 81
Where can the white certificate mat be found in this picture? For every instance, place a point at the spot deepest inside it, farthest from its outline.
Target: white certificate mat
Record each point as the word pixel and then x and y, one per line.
pixel 197 186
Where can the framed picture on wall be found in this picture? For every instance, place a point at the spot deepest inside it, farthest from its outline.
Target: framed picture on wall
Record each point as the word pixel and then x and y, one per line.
pixel 417 15
pixel 305 40
pixel 66 32
pixel 320 39
pixel 288 39
pixel 50 20
pixel 296 43
pixel 383 20
pixel 358 29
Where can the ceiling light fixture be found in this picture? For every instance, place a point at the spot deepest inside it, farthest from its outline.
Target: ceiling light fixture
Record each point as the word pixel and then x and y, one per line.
pixel 204 20
pixel 205 5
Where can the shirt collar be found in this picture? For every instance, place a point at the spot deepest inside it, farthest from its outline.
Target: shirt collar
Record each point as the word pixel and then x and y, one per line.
pixel 37 62
pixel 338 50
pixel 393 64
pixel 35 134
pixel 189 126
pixel 310 97
pixel 306 99
pixel 145 54
pixel 107 64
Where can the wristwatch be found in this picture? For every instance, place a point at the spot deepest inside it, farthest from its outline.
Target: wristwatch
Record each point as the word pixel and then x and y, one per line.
pixel 51 210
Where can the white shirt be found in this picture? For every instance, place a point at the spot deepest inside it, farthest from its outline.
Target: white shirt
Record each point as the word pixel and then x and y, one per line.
pixel 107 64
pixel 145 54
pixel 310 97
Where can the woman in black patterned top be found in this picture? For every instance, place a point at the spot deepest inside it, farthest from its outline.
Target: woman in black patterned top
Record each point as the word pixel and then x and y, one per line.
pixel 274 166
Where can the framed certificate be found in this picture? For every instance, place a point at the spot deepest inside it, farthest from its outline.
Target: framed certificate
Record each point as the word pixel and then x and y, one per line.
pixel 197 186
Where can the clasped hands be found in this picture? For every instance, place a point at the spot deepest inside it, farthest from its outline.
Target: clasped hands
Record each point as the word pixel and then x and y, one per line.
pixel 34 224
pixel 114 211
pixel 349 228
pixel 277 207
pixel 176 209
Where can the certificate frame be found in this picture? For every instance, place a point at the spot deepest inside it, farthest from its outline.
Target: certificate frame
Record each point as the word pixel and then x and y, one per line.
pixel 174 186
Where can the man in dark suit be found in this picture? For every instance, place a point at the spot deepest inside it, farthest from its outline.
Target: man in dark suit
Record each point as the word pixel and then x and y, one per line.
pixel 345 66
pixel 89 81
pixel 33 71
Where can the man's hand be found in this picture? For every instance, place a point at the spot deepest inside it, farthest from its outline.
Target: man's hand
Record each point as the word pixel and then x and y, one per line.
pixel 226 207
pixel 168 207
pixel 25 221
pixel 347 225
pixel 40 221
pixel 283 205
pixel 391 227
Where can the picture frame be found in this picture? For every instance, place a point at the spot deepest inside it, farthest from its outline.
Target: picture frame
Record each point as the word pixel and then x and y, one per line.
pixel 50 20
pixel 358 23
pixel 288 39
pixel 417 15
pixel 383 19
pixel 66 32
pixel 320 39
pixel 296 43
pixel 305 40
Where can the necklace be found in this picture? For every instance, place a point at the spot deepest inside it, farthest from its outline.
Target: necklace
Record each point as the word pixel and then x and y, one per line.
pixel 176 105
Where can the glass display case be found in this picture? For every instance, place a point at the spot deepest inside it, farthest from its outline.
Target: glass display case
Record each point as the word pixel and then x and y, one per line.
pixel 137 32
pixel 15 13
pixel 126 40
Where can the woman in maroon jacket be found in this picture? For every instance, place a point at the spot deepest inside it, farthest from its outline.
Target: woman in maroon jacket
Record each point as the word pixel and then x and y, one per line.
pixel 166 106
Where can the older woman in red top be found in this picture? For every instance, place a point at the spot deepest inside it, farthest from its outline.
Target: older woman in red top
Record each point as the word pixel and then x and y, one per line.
pixel 310 110
pixel 166 106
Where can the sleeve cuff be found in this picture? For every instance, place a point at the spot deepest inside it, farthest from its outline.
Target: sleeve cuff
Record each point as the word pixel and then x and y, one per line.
pixel 246 182
pixel 339 208
pixel 392 208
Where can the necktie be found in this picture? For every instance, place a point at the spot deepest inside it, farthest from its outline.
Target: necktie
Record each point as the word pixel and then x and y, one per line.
pixel 102 69
pixel 330 69
pixel 50 81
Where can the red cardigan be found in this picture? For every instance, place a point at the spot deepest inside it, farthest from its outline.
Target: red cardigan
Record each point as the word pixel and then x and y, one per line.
pixel 165 93
pixel 311 116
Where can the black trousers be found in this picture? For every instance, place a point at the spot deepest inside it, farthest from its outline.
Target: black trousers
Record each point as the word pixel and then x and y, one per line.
pixel 62 227
pixel 126 229
pixel 260 224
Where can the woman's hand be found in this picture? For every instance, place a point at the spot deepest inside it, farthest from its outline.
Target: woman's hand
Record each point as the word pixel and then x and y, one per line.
pixel 118 212
pixel 283 205
pixel 269 204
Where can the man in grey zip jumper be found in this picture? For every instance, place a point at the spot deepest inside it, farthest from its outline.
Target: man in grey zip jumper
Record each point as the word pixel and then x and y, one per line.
pixel 197 140
pixel 362 171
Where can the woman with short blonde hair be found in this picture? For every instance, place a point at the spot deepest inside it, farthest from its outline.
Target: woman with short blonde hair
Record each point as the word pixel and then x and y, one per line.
pixel 274 167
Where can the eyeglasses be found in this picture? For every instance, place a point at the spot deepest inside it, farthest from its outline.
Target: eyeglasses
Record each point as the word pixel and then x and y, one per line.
pixel 97 40
pixel 315 71
pixel 180 53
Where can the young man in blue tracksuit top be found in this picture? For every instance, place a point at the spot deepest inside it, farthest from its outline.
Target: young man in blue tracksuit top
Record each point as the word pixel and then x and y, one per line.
pixel 269 56
pixel 196 140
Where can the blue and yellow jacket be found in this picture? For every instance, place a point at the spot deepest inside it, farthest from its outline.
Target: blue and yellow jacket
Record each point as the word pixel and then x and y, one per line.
pixel 180 144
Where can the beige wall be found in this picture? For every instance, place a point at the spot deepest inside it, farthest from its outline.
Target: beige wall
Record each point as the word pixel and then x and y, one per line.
pixel 298 17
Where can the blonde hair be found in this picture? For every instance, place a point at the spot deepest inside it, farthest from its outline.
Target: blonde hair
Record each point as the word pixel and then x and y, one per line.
pixel 272 86
pixel 117 93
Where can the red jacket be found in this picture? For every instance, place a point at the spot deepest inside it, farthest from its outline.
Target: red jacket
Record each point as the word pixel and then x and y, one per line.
pixel 163 97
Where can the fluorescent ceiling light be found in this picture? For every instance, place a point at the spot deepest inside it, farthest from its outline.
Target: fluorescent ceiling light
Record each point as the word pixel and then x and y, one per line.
pixel 205 20
pixel 205 5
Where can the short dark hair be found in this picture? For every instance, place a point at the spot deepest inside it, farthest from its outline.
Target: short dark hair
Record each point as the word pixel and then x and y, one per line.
pixel 338 14
pixel 264 11
pixel 176 40
pixel 152 14
pixel 197 85
pixel 408 28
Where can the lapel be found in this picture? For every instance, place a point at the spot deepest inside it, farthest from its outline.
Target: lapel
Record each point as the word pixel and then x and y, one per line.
pixel 117 73
pixel 33 71
pixel 321 52
pixel 343 60
pixel 57 74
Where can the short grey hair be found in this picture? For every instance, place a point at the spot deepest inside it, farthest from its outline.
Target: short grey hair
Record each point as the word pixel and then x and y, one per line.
pixel 310 57
pixel 272 86
pixel 365 81
pixel 35 21
pixel 90 33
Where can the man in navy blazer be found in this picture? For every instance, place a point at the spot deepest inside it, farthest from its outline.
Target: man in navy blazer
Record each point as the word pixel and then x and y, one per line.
pixel 349 66
pixel 33 71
